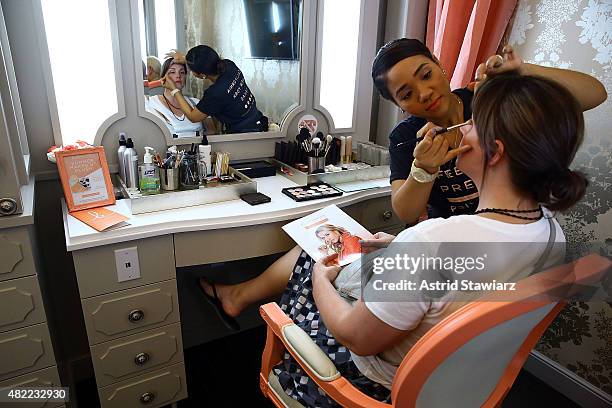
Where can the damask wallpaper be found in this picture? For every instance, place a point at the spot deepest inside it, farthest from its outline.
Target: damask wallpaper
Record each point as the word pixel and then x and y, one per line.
pixel 220 24
pixel 576 34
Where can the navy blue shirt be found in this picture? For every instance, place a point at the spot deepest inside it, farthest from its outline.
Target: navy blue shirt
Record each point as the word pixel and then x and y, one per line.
pixel 453 192
pixel 230 100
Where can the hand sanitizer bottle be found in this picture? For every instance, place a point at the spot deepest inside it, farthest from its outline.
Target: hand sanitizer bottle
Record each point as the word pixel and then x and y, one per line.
pixel 149 174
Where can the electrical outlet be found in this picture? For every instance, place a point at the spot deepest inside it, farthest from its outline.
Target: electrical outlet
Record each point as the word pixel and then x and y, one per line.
pixel 126 260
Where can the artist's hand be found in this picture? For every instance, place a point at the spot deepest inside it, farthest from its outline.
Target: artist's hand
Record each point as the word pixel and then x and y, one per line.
pixel 176 55
pixel 168 83
pixel 327 268
pixel 496 64
pixel 433 150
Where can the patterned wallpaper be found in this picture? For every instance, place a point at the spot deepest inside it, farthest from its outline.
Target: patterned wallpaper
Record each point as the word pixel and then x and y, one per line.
pixel 575 34
pixel 220 24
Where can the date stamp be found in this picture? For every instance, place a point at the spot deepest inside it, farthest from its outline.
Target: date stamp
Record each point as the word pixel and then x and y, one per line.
pixel 34 394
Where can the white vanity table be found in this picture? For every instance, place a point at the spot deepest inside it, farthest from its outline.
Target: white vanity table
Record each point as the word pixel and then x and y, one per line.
pixel 134 326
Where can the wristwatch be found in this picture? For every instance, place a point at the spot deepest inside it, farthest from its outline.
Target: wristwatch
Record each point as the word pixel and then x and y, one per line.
pixel 175 91
pixel 422 176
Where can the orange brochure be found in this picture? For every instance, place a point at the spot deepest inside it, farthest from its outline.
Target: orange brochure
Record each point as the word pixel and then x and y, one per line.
pixel 100 218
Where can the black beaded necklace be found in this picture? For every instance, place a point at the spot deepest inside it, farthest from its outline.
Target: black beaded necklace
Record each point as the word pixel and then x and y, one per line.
pixel 176 107
pixel 513 213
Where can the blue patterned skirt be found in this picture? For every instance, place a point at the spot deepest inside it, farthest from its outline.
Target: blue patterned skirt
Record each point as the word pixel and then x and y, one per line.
pixel 298 303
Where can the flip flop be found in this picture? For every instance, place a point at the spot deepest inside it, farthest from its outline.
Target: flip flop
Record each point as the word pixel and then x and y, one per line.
pixel 214 301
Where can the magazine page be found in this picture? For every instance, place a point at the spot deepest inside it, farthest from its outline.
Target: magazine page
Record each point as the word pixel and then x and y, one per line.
pixel 329 231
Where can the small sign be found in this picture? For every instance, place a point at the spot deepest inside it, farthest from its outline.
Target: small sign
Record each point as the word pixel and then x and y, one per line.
pixel 85 178
pixel 309 122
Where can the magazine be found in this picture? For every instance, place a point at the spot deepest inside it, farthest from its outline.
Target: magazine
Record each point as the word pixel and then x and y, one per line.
pixel 329 231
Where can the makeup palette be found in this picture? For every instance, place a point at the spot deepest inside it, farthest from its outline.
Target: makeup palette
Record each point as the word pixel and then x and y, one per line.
pixel 311 192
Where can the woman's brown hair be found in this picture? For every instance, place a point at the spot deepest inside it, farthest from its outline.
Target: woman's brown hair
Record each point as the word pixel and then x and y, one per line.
pixel 541 126
pixel 166 66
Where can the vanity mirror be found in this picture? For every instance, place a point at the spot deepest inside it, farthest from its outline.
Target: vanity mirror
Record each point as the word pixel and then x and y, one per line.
pixel 262 37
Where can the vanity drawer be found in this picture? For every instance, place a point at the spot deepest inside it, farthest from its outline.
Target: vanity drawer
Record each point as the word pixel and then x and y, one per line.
pixel 16 258
pixel 20 303
pixel 155 389
pixel 48 377
pixel 230 244
pixel 128 356
pixel 25 350
pixel 375 215
pixel 96 269
pixel 119 314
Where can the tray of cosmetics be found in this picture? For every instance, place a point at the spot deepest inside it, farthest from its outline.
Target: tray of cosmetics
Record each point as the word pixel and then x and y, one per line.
pixel 311 192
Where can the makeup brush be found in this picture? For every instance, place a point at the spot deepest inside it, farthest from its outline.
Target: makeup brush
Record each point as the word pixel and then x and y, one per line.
pixel 316 144
pixel 437 132
pixel 328 143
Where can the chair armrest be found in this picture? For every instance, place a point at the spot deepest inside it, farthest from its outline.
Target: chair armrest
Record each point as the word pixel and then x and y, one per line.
pixel 299 344
pixel 283 332
pixel 309 353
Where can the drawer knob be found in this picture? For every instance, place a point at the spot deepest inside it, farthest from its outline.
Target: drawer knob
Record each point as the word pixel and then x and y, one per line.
pixel 8 206
pixel 135 316
pixel 141 358
pixel 387 215
pixel 147 398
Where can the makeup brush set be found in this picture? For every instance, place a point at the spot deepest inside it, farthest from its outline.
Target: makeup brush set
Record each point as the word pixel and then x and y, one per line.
pixel 311 154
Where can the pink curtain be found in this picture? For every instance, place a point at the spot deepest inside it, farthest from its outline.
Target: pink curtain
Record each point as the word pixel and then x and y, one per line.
pixel 463 33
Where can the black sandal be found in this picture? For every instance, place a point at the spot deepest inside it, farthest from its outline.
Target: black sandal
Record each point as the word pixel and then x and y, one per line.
pixel 216 304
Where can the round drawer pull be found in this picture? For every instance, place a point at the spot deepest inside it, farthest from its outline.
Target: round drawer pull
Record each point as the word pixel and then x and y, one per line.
pixel 387 215
pixel 135 316
pixel 147 398
pixel 141 358
pixel 8 206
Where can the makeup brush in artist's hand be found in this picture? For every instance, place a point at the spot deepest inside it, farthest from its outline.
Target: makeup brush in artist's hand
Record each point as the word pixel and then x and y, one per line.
pixel 437 132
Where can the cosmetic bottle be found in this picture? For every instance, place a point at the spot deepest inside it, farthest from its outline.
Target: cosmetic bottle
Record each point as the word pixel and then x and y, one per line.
pixel 204 161
pixel 149 174
pixel 130 165
pixel 120 151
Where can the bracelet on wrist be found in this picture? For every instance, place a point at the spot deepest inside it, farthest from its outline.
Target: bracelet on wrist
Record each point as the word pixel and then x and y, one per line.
pixel 175 91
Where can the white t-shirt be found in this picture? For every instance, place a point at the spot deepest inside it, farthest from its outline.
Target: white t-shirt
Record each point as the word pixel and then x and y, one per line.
pixel 419 314
pixel 179 125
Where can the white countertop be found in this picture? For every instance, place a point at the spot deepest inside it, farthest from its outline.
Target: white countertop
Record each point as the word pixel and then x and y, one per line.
pixel 227 214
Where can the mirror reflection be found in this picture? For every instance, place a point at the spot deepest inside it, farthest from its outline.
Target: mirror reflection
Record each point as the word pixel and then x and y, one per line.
pixel 237 69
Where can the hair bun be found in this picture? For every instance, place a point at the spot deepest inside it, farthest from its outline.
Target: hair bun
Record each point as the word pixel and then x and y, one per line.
pixel 565 189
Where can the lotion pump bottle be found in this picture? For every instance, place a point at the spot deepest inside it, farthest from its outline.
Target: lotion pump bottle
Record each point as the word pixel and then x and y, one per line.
pixel 149 174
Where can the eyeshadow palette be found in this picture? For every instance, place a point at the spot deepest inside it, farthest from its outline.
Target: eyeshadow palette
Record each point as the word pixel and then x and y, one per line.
pixel 311 192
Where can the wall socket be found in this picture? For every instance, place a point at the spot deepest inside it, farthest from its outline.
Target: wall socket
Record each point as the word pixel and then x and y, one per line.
pixel 126 260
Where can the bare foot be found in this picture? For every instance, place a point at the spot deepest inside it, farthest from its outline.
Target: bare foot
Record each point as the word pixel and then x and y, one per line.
pixel 227 295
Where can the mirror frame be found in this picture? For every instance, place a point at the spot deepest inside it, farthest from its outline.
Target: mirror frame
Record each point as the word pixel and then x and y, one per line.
pixel 307 48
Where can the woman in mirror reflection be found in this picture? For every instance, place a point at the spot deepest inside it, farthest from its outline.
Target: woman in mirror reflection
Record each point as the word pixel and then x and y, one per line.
pixel 227 99
pixel 519 160
pixel 424 175
pixel 166 106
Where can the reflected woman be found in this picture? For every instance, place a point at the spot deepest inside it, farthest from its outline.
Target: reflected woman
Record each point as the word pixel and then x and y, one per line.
pixel 228 99
pixel 166 106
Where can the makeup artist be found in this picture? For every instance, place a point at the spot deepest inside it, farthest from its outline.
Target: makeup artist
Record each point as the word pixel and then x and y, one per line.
pixel 228 98
pixel 424 174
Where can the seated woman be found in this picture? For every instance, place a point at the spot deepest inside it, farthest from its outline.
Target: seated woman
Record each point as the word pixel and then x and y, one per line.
pixel 228 99
pixel 524 135
pixel 166 107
